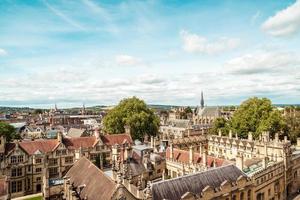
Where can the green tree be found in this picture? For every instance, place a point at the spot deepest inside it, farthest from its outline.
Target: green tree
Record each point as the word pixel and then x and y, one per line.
pixel 134 113
pixel 256 115
pixel 8 131
pixel 220 124
pixel 38 111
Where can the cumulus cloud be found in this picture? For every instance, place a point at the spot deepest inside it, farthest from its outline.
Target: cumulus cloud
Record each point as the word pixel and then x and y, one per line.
pixel 262 62
pixel 194 43
pixel 3 52
pixel 285 22
pixel 127 60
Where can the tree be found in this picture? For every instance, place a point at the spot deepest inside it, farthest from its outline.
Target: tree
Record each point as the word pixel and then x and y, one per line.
pixel 38 111
pixel 219 124
pixel 134 113
pixel 256 115
pixel 8 131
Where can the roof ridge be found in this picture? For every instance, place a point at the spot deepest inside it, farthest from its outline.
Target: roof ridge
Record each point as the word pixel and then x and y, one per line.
pixel 196 173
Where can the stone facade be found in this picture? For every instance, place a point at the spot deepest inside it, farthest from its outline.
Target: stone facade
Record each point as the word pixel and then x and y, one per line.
pixel 38 166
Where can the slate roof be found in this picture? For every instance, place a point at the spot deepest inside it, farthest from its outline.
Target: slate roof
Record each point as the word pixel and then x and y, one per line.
pixel 97 184
pixel 75 132
pixel 209 112
pixel 174 189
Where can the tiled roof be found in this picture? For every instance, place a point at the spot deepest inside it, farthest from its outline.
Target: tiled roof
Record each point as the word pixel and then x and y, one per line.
pixel 183 156
pixel 48 145
pixel 175 188
pixel 116 139
pixel 44 146
pixel 97 184
pixel 77 142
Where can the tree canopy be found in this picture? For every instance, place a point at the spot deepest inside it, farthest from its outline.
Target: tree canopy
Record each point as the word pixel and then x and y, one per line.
pixel 8 131
pixel 254 115
pixel 134 113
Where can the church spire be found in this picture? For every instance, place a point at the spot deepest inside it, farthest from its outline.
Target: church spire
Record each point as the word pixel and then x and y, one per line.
pixel 202 100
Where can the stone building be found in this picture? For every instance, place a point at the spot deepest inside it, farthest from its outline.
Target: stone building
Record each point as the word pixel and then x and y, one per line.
pixel 223 183
pixel 181 162
pixel 39 165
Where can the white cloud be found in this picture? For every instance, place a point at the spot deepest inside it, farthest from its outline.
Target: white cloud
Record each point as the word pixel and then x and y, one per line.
pixel 127 60
pixel 286 22
pixel 194 43
pixel 3 52
pixel 262 62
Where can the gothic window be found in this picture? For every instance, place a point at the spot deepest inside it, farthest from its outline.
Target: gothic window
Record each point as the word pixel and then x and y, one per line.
pixel 20 159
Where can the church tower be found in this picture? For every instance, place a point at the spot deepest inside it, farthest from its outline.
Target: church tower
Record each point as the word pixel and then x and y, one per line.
pixel 202 100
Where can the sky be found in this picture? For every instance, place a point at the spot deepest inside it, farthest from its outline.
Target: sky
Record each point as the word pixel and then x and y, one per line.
pixel 165 52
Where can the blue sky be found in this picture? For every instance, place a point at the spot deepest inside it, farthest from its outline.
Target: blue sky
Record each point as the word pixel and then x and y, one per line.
pixel 166 52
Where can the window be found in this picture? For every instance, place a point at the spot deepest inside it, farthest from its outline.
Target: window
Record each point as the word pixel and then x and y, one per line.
pixel 16 186
pixel 38 179
pixel 269 192
pixel 53 172
pixel 38 169
pixel 234 197
pixel 69 159
pixel 38 160
pixel 13 159
pixel 13 186
pixel 158 171
pixel 20 159
pixel 16 172
pixel 29 168
pixel 52 161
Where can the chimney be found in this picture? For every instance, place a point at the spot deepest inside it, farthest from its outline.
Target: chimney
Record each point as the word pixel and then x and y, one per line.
pixel 240 161
pixel 171 151
pixel 220 133
pixel 298 142
pixel 200 149
pixel 127 129
pixel 204 157
pixel 265 162
pixel 59 137
pixel 285 139
pixel 236 136
pixel 266 150
pixel 127 153
pixel 191 154
pixel 230 134
pixel 152 141
pixel 97 133
pixel 250 138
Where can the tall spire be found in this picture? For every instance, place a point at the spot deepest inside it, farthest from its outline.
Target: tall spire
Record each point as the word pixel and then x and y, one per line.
pixel 202 100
